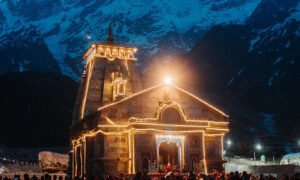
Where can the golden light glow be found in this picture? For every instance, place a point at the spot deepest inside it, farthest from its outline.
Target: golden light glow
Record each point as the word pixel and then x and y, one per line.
pixel 209 127
pixel 81 161
pixel 109 121
pixel 222 147
pixel 165 134
pixel 160 85
pixel 204 154
pixel 164 131
pixel 209 122
pixel 169 136
pixel 133 151
pixel 93 133
pixel 84 155
pixel 129 154
pixel 218 129
pixel 214 135
pixel 168 80
pixel 202 101
pixel 90 67
pixel 127 98
pixel 119 87
pixel 155 124
pixel 110 52
pixel 150 125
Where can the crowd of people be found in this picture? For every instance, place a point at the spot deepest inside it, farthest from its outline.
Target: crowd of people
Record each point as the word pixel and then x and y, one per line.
pixel 213 176
pixel 169 176
pixel 35 177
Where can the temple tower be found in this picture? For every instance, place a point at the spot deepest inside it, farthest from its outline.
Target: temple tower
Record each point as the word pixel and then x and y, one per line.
pixel 109 75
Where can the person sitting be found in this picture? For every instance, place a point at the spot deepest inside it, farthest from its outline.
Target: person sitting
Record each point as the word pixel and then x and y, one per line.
pixel 138 176
pixel 145 175
pixel 167 168
pixel 245 176
pixel 34 177
pixel 191 176
pixel 26 176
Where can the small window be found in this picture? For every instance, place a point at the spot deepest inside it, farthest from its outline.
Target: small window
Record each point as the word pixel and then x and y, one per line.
pixel 119 88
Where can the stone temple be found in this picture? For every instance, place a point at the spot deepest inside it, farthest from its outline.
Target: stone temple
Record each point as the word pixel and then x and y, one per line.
pixel 119 126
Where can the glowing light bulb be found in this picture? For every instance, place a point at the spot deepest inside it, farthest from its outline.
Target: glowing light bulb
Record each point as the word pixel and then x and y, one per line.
pixel 228 142
pixel 258 147
pixel 168 80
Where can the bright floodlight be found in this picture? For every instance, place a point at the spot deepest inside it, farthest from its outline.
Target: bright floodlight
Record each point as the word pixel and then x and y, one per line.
pixel 228 142
pixel 258 147
pixel 168 80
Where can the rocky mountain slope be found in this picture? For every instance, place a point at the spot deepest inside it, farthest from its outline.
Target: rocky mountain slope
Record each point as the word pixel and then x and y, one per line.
pixel 67 27
pixel 243 55
pixel 254 68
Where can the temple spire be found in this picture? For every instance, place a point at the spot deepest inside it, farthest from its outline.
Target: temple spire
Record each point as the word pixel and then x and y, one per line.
pixel 110 38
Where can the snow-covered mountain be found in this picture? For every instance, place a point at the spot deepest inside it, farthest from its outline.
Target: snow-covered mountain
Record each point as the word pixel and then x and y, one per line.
pixel 245 53
pixel 67 27
pixel 254 69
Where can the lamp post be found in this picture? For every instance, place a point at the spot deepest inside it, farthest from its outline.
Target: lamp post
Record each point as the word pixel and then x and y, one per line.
pixel 298 145
pixel 228 142
pixel 258 147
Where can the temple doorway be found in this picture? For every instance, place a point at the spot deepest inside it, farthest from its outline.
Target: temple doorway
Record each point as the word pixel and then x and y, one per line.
pixel 168 154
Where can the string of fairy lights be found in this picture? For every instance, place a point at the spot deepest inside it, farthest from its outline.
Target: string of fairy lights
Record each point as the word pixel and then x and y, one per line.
pixel 205 128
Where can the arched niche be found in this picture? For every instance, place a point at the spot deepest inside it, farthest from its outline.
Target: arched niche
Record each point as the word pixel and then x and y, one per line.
pixel 171 116
pixel 171 113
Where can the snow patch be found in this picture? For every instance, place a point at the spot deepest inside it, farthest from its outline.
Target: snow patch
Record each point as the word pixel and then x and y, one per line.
pixel 277 60
pixel 284 32
pixel 230 81
pixel 240 71
pixel 287 45
pixel 297 32
pixel 296 13
pixel 11 20
pixel 59 51
pixel 252 43
pixel 21 67
pixel 272 77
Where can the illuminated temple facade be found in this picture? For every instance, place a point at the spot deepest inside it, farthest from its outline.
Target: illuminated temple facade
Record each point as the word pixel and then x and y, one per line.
pixel 119 126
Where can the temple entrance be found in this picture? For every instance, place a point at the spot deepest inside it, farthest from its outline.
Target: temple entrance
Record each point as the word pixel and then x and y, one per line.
pixel 170 152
